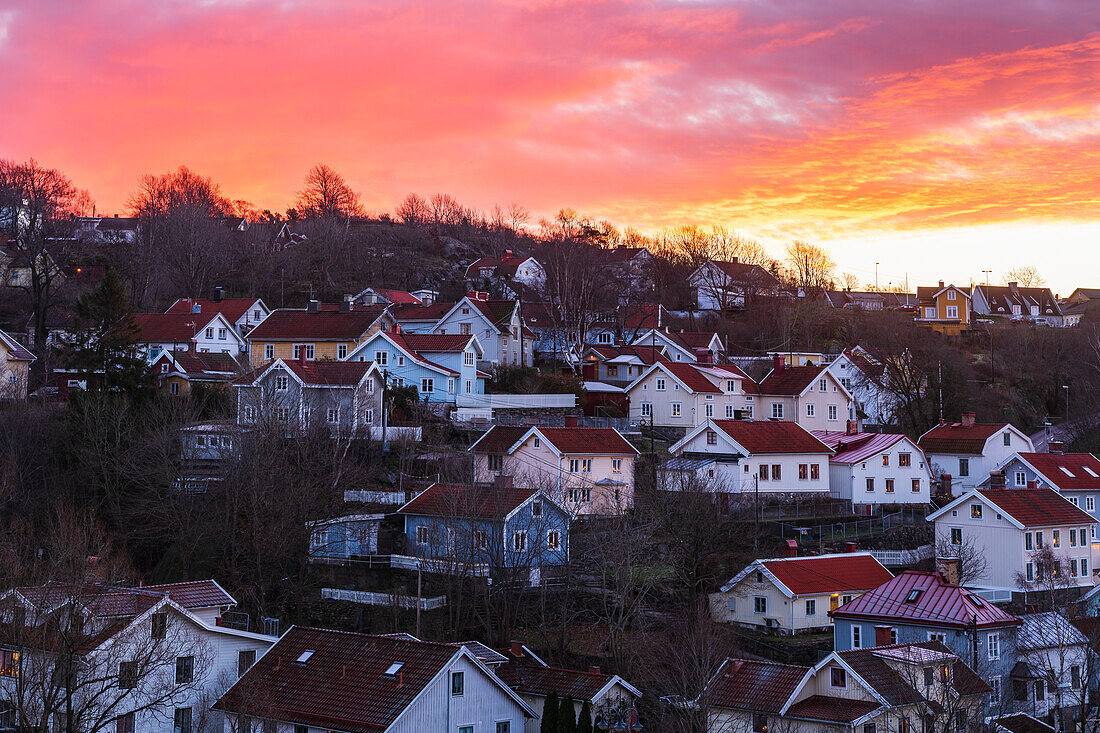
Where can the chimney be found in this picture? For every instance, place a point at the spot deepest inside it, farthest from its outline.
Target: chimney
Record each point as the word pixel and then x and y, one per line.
pixel 396 327
pixel 734 260
pixel 1013 285
pixel 849 547
pixel 852 427
pixel 778 362
pixel 570 421
pixel 967 419
pixel 196 307
pixel 791 549
pixel 882 635
pixel 516 649
pixel 941 283
pixel 949 569
pixel 218 294
pixel 302 354
pixel 507 254
pixel 345 306
pixel 997 479
pixel 594 669
pixel 313 306
pixel 501 481
pixel 1032 485
pixel 116 216
pixel 1055 447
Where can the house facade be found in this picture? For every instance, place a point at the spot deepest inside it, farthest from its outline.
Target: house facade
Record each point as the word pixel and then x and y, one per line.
pixel 497 324
pixel 742 456
pixel 525 270
pixel 1011 528
pixel 866 380
pixel 808 395
pixel 1037 305
pixel 675 395
pixel 197 332
pixel 962 454
pixel 792 595
pixel 176 372
pixel 344 397
pixel 1075 476
pixel 439 366
pixel 486 530
pixel 945 309
pixel 875 469
pixel 15 366
pixel 725 285
pixel 589 471
pixel 687 346
pixel 317 680
pixel 244 313
pixel 316 332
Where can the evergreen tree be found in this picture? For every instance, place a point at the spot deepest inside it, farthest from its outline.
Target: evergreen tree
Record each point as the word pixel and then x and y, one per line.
pixel 567 717
pixel 584 725
pixel 104 340
pixel 549 722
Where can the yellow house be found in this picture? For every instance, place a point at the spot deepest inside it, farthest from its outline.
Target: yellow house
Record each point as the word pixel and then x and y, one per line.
pixel 15 366
pixel 321 332
pixel 945 309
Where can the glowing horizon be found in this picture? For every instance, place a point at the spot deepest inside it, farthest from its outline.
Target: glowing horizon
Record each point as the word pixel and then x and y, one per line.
pixel 939 141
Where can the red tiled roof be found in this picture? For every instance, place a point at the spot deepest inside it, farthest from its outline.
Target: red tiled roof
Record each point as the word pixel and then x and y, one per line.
pixel 470 502
pixel 954 438
pixel 535 679
pixel 831 709
pixel 16 350
pixel 231 308
pixel 398 296
pixel 329 373
pixel 501 266
pixel 768 436
pixel 433 342
pixel 342 685
pixel 195 593
pixel 938 603
pixel 288 325
pixel 498 312
pixel 856 448
pixel 748 684
pixel 169 327
pixel 829 573
pixel 499 439
pixel 594 441
pixel 1050 465
pixel 198 362
pixel 790 380
pixel 646 354
pixel 690 376
pixel 1037 507
pixel 433 312
pixel 696 339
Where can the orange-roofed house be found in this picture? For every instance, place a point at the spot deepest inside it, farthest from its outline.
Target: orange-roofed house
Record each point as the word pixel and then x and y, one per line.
pixel 944 308
pixel 590 471
pixel 791 595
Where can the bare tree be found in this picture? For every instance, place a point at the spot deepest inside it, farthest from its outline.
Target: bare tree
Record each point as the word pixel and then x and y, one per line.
pixel 811 266
pixel 968 558
pixel 326 195
pixel 413 210
pixel 1026 276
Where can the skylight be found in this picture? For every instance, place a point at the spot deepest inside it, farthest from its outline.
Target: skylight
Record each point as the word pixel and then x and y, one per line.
pixel 1066 471
pixel 393 669
pixel 974 599
pixel 913 595
pixel 1090 472
pixel 305 656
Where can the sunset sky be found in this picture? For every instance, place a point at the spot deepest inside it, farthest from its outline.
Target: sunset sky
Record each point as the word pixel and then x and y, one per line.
pixel 939 139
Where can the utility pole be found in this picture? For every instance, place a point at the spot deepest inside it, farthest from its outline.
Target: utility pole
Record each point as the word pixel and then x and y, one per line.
pixel 756 494
pixel 876 276
pixel 417 599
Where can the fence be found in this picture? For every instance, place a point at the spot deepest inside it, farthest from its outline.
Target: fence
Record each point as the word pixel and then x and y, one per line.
pixel 902 558
pixel 848 529
pixel 383 599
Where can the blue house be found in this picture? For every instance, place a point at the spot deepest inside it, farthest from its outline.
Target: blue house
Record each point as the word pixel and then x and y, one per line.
pixel 920 606
pixel 487 530
pixel 440 366
pixel 344 538
pixel 1075 476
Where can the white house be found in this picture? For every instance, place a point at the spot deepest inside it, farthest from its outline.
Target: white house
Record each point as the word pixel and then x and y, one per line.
pixel 724 285
pixel 679 395
pixel 871 469
pixel 199 332
pixel 789 595
pixel 1075 476
pixel 244 313
pixel 590 471
pixel 808 395
pixel 497 324
pixel 866 379
pixel 689 346
pixel 1010 528
pixel 967 451
pixel 526 270
pixel 325 680
pixel 1053 667
pixel 738 456
pixel 148 659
